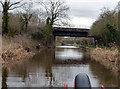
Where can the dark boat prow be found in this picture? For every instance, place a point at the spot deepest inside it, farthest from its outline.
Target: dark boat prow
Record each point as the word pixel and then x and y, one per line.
pixel 82 81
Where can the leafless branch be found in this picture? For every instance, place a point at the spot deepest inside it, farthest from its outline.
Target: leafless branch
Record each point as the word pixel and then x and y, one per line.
pixel 15 3
pixel 1 3
pixel 46 8
pixel 16 7
pixel 8 2
pixel 55 10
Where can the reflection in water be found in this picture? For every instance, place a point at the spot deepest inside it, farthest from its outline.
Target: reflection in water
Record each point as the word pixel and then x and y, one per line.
pixel 43 70
pixel 69 54
pixel 66 47
pixel 4 78
pixel 104 75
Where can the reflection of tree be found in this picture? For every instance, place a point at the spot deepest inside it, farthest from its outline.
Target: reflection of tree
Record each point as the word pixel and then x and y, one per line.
pixel 4 78
pixel 105 76
pixel 24 73
pixel 119 81
pixel 49 74
pixel 119 77
pixel 45 58
pixel 20 69
pixel 48 68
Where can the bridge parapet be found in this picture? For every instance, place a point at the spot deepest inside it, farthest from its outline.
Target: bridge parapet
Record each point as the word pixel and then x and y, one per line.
pixel 71 29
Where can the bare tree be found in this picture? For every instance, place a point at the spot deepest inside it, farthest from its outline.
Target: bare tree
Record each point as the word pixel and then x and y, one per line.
pixel 26 16
pixel 56 10
pixel 108 15
pixel 8 5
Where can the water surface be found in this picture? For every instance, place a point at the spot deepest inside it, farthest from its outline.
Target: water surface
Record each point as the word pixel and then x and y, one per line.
pixel 54 68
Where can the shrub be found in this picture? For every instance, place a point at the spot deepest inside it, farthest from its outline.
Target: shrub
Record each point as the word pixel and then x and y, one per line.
pixel 105 29
pixel 37 36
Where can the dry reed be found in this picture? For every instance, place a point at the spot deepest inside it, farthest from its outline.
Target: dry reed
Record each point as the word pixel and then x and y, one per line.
pixel 108 58
pixel 14 49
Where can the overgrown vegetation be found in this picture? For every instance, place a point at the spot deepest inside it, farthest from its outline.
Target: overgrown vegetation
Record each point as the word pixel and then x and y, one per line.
pixel 6 6
pixel 108 58
pixel 31 21
pixel 106 29
pixel 44 36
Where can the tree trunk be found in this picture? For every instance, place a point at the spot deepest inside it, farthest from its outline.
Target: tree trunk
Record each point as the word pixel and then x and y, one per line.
pixel 5 19
pixel 119 20
pixel 26 26
pixel 4 78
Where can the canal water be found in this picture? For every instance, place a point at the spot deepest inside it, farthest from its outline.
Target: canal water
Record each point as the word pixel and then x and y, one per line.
pixel 54 68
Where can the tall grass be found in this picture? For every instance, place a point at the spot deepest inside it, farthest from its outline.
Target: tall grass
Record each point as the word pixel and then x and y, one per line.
pixel 109 58
pixel 14 48
pixel 24 40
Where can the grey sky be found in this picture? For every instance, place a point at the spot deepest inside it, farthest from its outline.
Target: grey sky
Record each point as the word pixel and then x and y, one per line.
pixel 84 12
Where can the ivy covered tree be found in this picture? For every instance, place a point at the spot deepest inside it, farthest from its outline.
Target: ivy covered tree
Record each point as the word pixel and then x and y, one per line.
pixel 24 20
pixel 106 28
pixel 26 16
pixel 6 6
pixel 112 33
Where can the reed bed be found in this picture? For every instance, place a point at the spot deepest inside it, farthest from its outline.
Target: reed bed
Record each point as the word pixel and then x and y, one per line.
pixel 14 53
pixel 108 58
pixel 14 49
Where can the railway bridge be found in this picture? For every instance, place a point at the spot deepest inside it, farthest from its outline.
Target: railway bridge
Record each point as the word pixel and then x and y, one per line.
pixel 71 32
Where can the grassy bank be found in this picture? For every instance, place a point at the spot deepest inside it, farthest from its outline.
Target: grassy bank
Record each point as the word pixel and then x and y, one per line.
pixel 18 48
pixel 108 58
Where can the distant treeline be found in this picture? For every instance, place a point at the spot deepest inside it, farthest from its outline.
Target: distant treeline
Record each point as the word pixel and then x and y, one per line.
pixel 106 29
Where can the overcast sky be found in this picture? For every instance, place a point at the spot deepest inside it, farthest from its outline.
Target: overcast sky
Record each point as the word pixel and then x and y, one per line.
pixel 84 12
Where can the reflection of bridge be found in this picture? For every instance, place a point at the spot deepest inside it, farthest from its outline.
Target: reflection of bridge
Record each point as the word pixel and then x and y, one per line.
pixel 70 62
pixel 84 60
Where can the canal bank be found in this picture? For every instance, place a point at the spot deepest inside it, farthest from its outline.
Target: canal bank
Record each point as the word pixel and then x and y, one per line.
pixel 54 68
pixel 14 54
pixel 17 49
pixel 109 58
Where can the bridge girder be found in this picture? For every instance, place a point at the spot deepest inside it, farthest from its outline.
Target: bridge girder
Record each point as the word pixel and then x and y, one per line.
pixel 72 32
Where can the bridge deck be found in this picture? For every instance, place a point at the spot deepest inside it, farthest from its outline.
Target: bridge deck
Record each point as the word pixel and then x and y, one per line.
pixel 71 29
pixel 72 32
